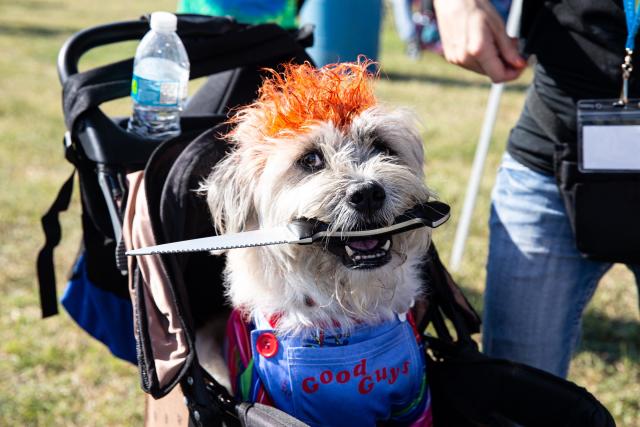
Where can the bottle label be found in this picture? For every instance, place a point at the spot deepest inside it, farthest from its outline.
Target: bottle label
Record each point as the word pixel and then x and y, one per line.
pixel 154 93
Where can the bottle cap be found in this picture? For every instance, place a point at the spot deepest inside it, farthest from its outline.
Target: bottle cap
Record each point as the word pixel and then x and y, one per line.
pixel 163 22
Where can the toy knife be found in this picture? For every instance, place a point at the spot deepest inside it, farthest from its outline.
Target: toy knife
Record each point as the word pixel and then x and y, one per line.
pixel 304 232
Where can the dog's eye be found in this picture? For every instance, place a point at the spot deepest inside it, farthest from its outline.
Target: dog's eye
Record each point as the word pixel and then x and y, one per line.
pixel 379 147
pixel 312 161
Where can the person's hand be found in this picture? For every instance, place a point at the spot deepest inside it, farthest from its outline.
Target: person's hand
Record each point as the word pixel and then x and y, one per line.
pixel 474 37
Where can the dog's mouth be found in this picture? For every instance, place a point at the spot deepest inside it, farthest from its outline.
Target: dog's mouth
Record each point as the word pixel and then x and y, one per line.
pixel 363 254
pixel 369 246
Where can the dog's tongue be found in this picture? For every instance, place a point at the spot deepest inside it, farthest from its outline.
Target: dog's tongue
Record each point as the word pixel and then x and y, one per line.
pixel 363 245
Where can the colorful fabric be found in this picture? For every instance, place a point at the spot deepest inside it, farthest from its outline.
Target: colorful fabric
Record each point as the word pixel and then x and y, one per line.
pixel 245 382
pixel 376 374
pixel 281 12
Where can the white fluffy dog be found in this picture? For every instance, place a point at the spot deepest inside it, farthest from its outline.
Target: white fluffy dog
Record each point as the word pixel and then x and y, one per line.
pixel 317 145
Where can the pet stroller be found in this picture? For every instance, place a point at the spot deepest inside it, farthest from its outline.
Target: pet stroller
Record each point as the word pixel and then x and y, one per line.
pixel 144 191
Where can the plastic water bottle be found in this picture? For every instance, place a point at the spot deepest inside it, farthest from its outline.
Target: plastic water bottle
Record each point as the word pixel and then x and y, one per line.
pixel 160 79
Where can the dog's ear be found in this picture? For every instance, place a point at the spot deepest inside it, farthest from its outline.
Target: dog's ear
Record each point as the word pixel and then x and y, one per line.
pixel 230 192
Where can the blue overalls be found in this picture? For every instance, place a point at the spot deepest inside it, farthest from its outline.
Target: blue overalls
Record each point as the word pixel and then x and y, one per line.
pixel 375 374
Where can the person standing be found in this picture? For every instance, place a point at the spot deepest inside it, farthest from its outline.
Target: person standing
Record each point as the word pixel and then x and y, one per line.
pixel 281 12
pixel 405 27
pixel 538 283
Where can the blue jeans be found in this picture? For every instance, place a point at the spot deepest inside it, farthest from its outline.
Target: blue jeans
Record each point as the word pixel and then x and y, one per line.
pixel 538 284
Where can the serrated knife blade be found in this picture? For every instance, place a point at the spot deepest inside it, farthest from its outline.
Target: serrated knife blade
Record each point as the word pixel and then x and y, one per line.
pixel 430 214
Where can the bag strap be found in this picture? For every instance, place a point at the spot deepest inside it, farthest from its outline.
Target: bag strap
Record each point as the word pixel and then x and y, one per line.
pixel 53 232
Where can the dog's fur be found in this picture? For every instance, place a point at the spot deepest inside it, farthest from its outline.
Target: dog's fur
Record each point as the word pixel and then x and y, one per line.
pixel 261 184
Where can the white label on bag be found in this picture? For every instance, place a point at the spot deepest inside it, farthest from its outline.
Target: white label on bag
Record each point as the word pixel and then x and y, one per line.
pixel 611 148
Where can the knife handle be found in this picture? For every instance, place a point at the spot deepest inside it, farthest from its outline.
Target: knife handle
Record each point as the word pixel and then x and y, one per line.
pixel 303 230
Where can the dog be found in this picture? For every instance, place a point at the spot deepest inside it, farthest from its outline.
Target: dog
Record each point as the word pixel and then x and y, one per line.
pixel 317 145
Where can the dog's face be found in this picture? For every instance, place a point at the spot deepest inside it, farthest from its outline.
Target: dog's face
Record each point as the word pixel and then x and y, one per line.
pixel 357 175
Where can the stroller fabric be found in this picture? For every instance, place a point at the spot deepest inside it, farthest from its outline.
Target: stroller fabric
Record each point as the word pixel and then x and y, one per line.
pixel 159 316
pixel 106 316
pixel 163 205
pixel 472 389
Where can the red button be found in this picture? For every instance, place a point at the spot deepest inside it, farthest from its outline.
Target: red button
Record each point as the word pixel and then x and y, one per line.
pixel 267 344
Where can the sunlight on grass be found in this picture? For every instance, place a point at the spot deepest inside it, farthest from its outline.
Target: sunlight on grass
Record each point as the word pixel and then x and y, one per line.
pixel 53 373
pixel 56 375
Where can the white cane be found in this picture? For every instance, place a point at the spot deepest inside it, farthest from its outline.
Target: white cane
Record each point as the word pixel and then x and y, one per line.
pixel 513 27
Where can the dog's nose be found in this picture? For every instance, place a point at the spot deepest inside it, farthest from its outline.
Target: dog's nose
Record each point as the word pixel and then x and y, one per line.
pixel 366 197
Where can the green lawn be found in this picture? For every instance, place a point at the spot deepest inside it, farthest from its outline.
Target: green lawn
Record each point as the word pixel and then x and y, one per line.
pixel 53 374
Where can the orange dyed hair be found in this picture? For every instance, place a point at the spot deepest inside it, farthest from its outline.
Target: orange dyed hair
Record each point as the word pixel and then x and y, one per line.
pixel 302 95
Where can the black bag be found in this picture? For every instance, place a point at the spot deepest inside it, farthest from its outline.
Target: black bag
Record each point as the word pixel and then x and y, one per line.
pixel 603 208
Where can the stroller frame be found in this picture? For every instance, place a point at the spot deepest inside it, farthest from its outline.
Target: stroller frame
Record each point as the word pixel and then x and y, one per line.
pixel 103 153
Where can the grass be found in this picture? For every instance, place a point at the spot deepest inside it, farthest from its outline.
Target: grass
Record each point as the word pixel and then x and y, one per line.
pixel 54 374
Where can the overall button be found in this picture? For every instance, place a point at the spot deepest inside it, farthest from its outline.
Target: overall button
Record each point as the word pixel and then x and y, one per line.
pixel 267 345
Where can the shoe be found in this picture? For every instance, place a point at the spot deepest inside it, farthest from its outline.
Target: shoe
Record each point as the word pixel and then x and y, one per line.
pixel 413 49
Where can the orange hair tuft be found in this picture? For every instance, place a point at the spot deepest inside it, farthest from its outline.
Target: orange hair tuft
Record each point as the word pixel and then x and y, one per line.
pixel 302 95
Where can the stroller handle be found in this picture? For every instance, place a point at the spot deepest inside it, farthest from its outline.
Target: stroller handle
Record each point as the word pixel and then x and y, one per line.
pixel 213 43
pixel 83 41
pixel 103 139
